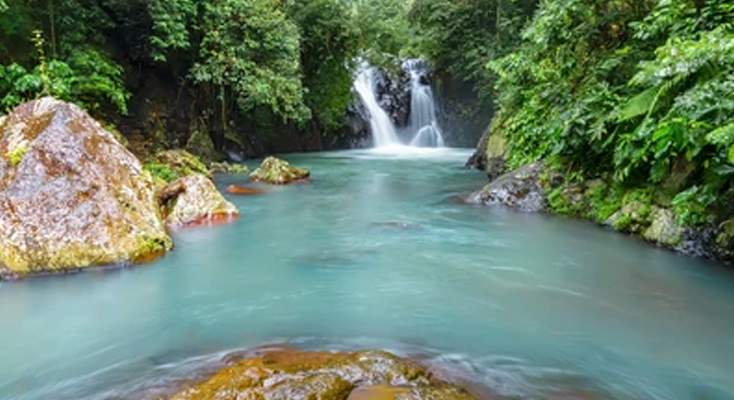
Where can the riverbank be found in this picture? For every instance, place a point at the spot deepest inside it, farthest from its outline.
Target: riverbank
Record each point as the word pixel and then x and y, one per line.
pixel 651 212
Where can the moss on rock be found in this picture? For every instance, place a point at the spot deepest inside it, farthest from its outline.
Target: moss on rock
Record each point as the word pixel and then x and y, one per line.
pixel 77 199
pixel 664 229
pixel 279 172
pixel 300 375
pixel 170 165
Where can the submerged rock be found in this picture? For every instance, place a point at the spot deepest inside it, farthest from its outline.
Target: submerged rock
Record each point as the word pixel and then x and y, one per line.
pixel 289 374
pixel 278 172
pixel 71 196
pixel 244 190
pixel 521 189
pixel 397 225
pixel 194 200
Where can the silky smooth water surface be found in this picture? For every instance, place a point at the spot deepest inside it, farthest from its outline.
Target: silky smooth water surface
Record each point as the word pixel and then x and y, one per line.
pixel 376 252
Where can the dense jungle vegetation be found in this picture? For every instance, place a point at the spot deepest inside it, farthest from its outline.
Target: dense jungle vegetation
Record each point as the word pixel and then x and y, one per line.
pixel 187 68
pixel 640 93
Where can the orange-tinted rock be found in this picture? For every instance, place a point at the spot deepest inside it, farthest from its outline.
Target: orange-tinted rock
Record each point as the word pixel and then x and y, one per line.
pixel 290 374
pixel 244 190
pixel 195 201
pixel 71 196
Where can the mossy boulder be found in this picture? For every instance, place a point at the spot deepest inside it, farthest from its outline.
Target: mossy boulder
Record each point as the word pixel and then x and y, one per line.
pixel 633 217
pixel 522 189
pixel 194 200
pixel 289 374
pixel 496 155
pixel 71 196
pixel 491 154
pixel 171 165
pixel 278 172
pixel 664 229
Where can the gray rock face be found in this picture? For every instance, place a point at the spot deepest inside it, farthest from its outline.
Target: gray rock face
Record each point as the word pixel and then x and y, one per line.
pixel 393 95
pixel 519 189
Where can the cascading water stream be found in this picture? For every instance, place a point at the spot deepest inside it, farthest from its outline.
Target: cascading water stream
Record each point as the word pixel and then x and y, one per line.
pixel 383 130
pixel 423 123
pixel 422 131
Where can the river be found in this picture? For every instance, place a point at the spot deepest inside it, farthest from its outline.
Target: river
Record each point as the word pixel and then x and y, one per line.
pixel 376 252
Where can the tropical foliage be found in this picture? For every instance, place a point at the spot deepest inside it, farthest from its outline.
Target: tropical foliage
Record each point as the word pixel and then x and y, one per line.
pixel 640 91
pixel 262 59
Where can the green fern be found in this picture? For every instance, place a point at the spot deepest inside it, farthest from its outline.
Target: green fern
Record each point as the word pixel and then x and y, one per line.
pixel 638 106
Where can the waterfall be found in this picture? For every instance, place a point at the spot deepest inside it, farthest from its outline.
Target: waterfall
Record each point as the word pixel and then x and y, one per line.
pixel 423 126
pixel 383 130
pixel 422 130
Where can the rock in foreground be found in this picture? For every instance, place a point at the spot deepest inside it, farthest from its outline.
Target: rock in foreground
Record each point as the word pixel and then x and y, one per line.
pixel 288 374
pixel 70 195
pixel 194 200
pixel 278 172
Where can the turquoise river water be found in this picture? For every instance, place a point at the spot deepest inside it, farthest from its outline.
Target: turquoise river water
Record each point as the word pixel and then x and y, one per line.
pixel 376 252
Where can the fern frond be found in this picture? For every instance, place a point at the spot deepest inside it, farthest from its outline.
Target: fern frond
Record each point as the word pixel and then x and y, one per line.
pixel 638 105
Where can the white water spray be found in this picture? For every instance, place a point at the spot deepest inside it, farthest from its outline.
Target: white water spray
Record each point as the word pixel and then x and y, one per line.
pixel 423 123
pixel 383 130
pixel 422 131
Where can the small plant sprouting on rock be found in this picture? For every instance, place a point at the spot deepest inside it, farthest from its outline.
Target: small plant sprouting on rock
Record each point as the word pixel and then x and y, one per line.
pixel 15 155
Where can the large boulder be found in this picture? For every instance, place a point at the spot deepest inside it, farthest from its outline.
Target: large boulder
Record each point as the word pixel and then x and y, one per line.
pixel 298 375
pixel 194 200
pixel 521 189
pixel 278 172
pixel 70 195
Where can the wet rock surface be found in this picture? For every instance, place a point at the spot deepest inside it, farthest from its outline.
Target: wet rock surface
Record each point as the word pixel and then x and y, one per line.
pixel 194 200
pixel 491 155
pixel 275 171
pixel 520 189
pixel 71 196
pixel 244 190
pixel 393 96
pixel 290 374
